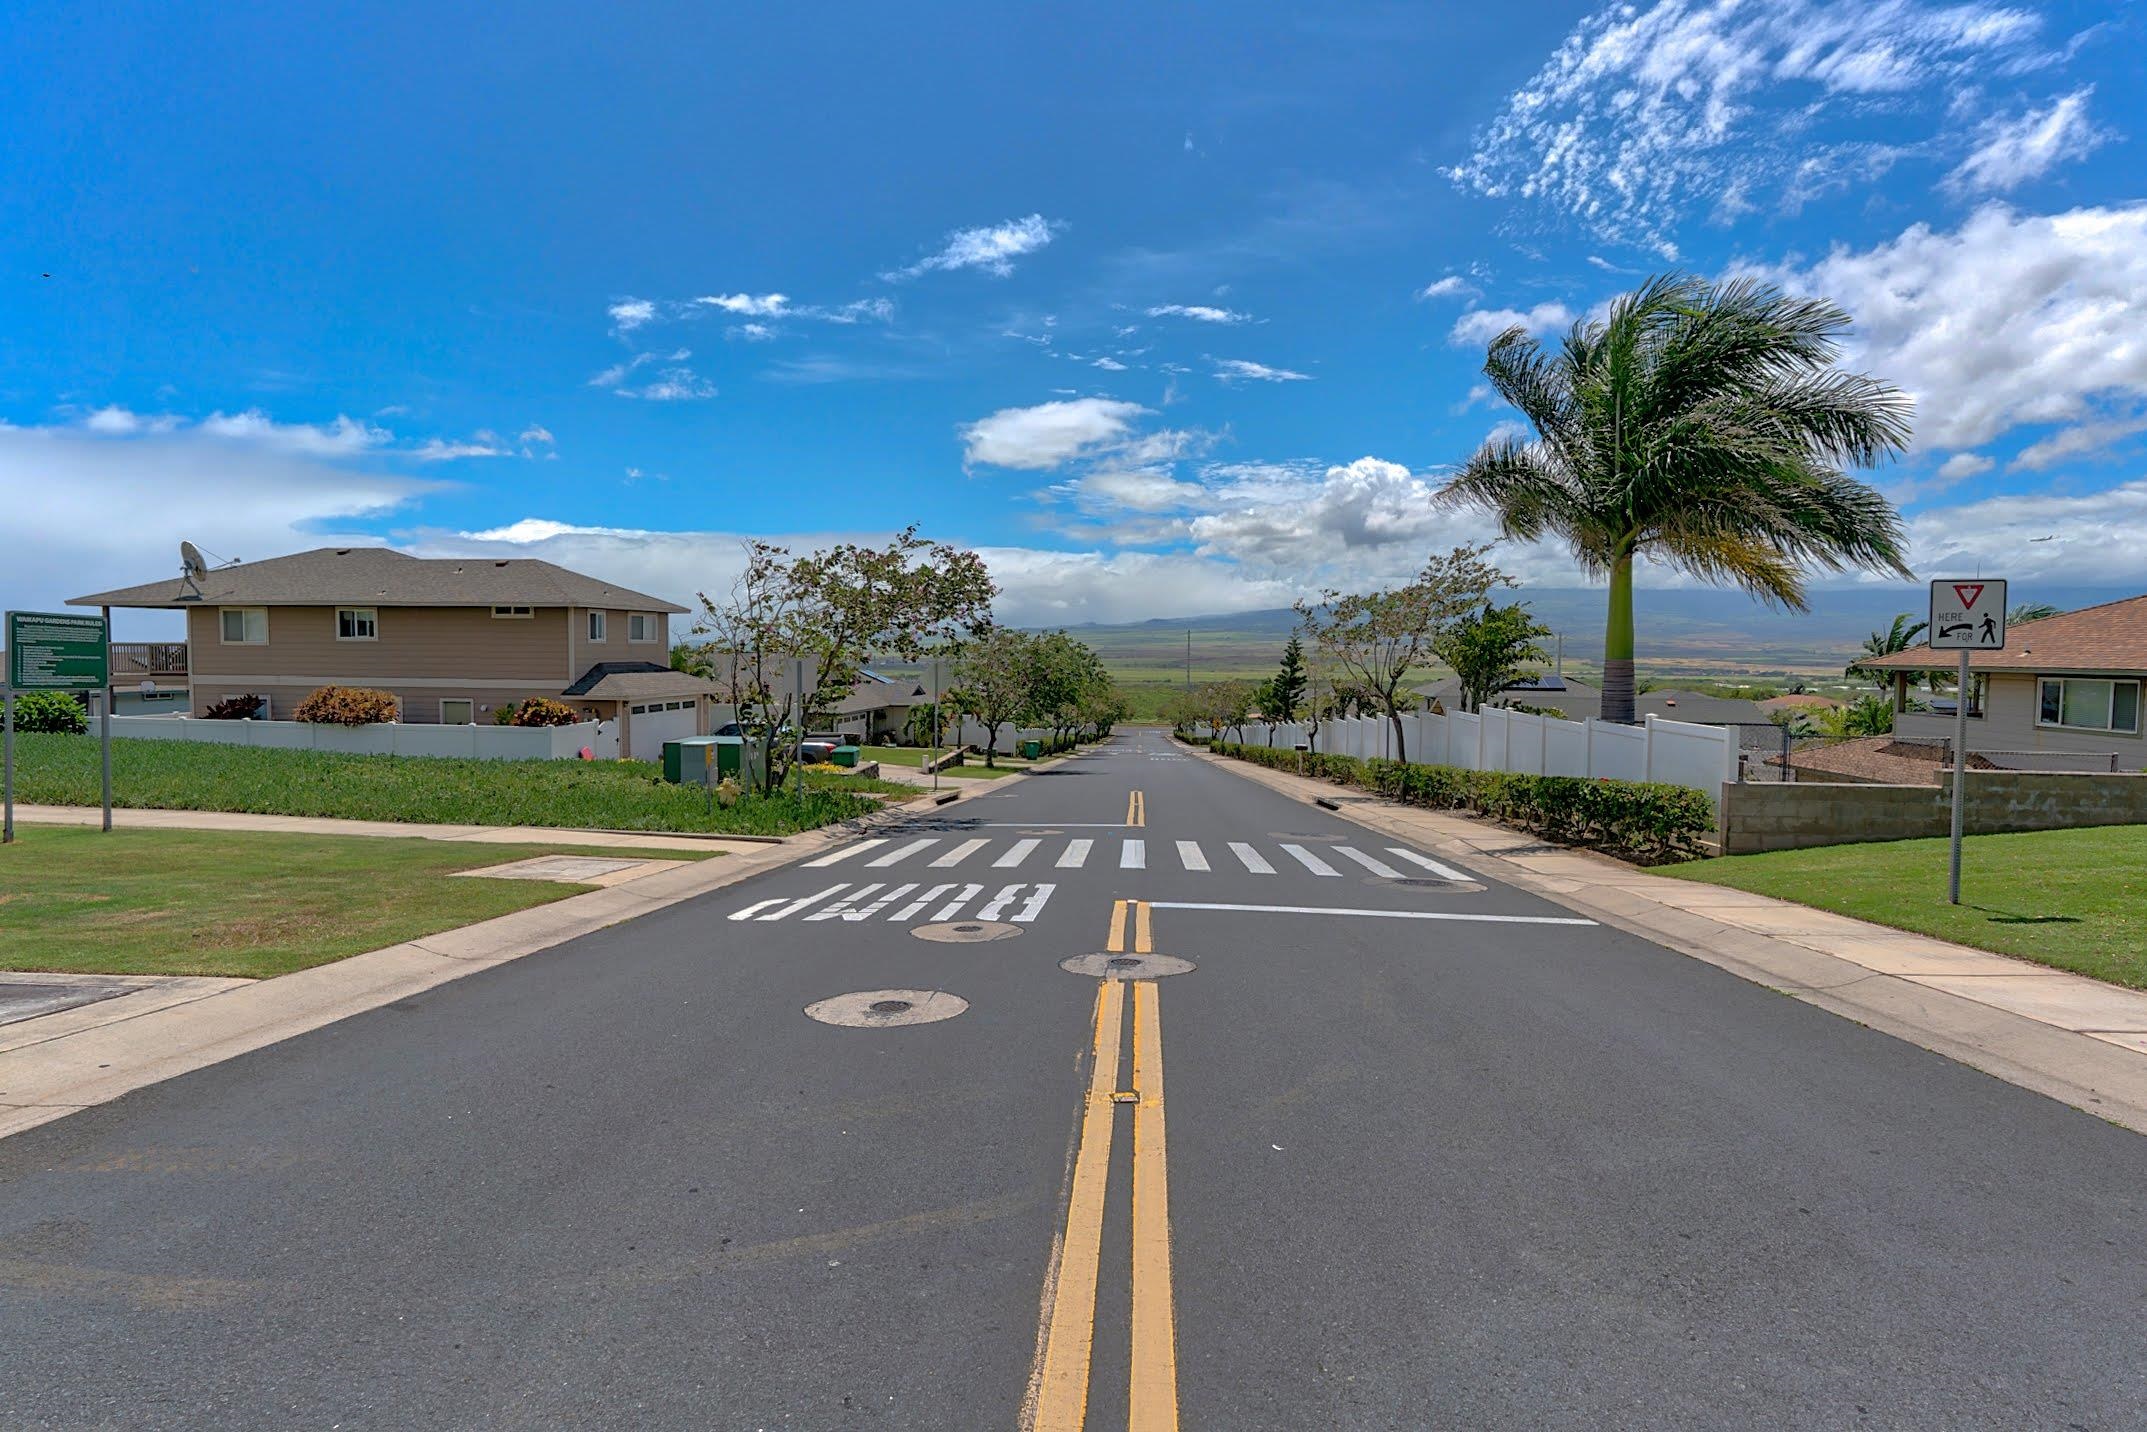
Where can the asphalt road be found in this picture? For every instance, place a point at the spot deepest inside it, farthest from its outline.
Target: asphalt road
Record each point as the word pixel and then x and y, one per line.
pixel 1493 1168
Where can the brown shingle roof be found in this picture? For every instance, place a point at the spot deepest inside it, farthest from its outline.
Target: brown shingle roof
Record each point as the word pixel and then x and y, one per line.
pixel 637 680
pixel 383 577
pixel 2109 637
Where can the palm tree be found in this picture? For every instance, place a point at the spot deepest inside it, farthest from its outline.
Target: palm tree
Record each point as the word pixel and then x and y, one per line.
pixel 2029 612
pixel 1898 637
pixel 1703 425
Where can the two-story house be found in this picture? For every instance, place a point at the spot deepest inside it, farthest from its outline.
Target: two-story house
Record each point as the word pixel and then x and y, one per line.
pixel 453 639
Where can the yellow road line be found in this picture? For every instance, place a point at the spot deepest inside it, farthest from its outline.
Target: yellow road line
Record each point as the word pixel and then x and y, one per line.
pixel 1153 1404
pixel 1117 943
pixel 1143 937
pixel 1062 1394
pixel 1136 808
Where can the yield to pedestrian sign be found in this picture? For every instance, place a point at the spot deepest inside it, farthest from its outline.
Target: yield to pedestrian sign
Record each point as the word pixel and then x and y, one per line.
pixel 1968 616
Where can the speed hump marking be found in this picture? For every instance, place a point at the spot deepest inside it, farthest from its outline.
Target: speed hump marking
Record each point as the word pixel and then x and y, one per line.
pixel 1968 616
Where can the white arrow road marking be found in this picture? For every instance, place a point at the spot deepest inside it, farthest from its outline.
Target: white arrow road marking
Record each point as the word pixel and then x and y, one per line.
pixel 1310 861
pixel 796 905
pixel 843 905
pixel 1133 855
pixel 1190 854
pixel 846 852
pixel 1035 905
pixel 755 908
pixel 1378 867
pixel 1252 859
pixel 910 910
pixel 1373 914
pixel 1075 855
pixel 1444 872
pixel 903 852
pixel 959 854
pixel 954 907
pixel 1016 855
pixel 999 902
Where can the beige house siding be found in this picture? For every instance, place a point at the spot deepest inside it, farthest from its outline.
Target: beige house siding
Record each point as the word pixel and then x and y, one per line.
pixel 582 653
pixel 2008 724
pixel 417 703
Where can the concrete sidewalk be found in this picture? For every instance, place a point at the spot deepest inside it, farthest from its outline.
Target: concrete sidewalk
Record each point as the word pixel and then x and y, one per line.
pixel 2072 1038
pixel 392 829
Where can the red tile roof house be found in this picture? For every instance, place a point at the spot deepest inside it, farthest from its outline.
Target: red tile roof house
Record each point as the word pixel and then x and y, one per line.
pixel 2065 693
pixel 453 639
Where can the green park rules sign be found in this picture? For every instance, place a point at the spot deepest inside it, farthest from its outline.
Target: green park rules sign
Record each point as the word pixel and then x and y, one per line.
pixel 56 651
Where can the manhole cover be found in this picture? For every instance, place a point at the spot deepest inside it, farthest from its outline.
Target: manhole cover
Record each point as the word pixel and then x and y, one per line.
pixel 1126 967
pixel 966 932
pixel 885 1008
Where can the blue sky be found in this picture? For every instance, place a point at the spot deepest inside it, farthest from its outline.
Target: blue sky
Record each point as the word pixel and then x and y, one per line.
pixel 1166 311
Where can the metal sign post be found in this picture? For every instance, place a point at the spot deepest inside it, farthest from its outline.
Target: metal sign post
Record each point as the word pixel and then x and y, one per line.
pixel 935 725
pixel 57 651
pixel 7 765
pixel 1965 617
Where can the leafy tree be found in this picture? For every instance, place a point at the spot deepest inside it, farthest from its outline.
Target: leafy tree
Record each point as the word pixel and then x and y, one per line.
pixel 1375 639
pixel 1225 706
pixel 1702 425
pixel 52 713
pixel 1491 650
pixel 1900 636
pixel 1865 716
pixel 997 674
pixel 1285 692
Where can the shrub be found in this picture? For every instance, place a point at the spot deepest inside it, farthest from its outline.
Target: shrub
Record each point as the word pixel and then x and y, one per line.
pixel 346 706
pixel 52 713
pixel 235 708
pixel 543 711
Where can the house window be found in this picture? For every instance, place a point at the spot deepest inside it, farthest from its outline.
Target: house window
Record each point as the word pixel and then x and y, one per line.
pixel 455 713
pixel 599 626
pixel 515 612
pixel 2089 704
pixel 356 624
pixel 245 626
pixel 641 626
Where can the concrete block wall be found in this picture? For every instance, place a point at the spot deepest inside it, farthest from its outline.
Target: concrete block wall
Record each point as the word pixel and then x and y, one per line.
pixel 1765 816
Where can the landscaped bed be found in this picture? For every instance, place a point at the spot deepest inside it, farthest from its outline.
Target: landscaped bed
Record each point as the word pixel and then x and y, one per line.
pixel 915 757
pixel 183 902
pixel 2073 899
pixel 595 795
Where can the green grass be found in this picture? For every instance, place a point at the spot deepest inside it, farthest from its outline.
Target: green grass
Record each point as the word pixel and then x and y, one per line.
pixel 971 769
pixel 184 902
pixel 597 795
pixel 2072 899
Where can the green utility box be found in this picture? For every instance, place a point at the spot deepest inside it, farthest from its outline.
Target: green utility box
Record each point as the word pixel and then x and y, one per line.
pixel 845 756
pixel 693 760
pixel 1032 749
pixel 740 760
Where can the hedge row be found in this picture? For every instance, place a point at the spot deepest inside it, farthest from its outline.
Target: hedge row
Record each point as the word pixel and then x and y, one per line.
pixel 1643 821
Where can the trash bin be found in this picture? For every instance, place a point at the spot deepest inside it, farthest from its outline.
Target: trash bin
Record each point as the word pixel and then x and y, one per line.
pixel 845 756
pixel 691 760
pixel 1032 749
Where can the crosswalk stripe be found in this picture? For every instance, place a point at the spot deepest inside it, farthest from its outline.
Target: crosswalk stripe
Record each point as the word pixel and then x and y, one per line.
pixel 880 904
pixel 954 907
pixel 796 905
pixel 1075 855
pixel 909 911
pixel 1133 855
pixel 1014 856
pixel 1251 859
pixel 903 852
pixel 999 902
pixel 845 904
pixel 755 908
pixel 1190 855
pixel 1035 904
pixel 846 852
pixel 960 853
pixel 1310 861
pixel 1444 872
pixel 1377 866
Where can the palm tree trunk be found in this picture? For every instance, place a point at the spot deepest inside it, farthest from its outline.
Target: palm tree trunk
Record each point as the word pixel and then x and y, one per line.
pixel 1618 645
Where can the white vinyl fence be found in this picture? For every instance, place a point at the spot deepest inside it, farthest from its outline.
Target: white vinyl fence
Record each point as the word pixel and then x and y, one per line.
pixel 1678 753
pixel 386 738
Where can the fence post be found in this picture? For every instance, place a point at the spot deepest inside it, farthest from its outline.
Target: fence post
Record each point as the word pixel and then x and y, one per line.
pixel 1587 746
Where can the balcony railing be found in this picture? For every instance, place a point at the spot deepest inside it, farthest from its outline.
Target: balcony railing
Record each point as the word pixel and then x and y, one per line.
pixel 137 660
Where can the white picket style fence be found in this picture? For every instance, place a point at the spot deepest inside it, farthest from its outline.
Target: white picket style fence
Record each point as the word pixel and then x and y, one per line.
pixel 1679 753
pixel 386 738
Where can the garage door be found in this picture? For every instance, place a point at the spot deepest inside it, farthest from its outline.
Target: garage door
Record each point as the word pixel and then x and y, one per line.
pixel 656 722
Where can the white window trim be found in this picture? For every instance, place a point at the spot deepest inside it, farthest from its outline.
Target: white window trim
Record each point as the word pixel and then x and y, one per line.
pixel 655 629
pixel 513 612
pixel 372 616
pixel 447 701
pixel 223 635
pixel 599 627
pixel 2114 681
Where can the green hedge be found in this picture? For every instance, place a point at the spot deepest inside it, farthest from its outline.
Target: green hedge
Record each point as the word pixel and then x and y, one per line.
pixel 1641 820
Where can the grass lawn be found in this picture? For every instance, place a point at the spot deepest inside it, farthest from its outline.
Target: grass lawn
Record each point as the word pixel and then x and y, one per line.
pixel 187 902
pixel 972 768
pixel 599 795
pixel 2075 899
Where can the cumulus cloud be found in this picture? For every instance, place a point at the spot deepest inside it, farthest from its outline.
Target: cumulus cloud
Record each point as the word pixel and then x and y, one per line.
pixel 1481 325
pixel 2080 440
pixel 630 313
pixel 992 248
pixel 1047 435
pixel 2011 151
pixel 746 305
pixel 1199 312
pixel 1963 465
pixel 1452 286
pixel 1240 370
pixel 2085 539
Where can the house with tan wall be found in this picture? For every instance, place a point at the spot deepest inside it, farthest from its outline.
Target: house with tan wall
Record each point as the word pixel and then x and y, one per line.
pixel 453 639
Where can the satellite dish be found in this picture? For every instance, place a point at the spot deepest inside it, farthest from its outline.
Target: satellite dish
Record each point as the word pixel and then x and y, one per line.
pixel 191 566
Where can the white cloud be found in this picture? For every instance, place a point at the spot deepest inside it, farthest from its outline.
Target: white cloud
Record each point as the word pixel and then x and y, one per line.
pixel 672 385
pixel 2011 320
pixel 342 438
pixel 1964 465
pixel 445 450
pixel 1452 286
pixel 1047 435
pixel 534 434
pixel 2081 440
pixel 1481 325
pixel 746 305
pixel 992 248
pixel 1643 111
pixel 878 310
pixel 752 332
pixel 1200 312
pixel 630 313
pixel 1112 491
pixel 1109 365
pixel 1240 370
pixel 2010 152
pixel 2088 539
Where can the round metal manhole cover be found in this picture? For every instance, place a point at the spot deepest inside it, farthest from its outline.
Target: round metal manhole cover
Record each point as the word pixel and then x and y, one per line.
pixel 887 1008
pixel 966 932
pixel 1126 967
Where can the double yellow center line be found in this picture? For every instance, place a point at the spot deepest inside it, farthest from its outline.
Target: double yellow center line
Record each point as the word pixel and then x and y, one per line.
pixel 1136 809
pixel 1060 1399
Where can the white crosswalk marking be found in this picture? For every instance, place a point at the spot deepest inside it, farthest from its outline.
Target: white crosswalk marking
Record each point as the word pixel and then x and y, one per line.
pixel 959 854
pixel 1189 855
pixel 1075 855
pixel 1035 904
pixel 954 907
pixel 999 902
pixel 846 852
pixel 1377 866
pixel 845 904
pixel 878 905
pixel 1309 861
pixel 903 852
pixel 1014 856
pixel 1133 855
pixel 1444 872
pixel 909 911
pixel 755 908
pixel 796 905
pixel 1251 859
